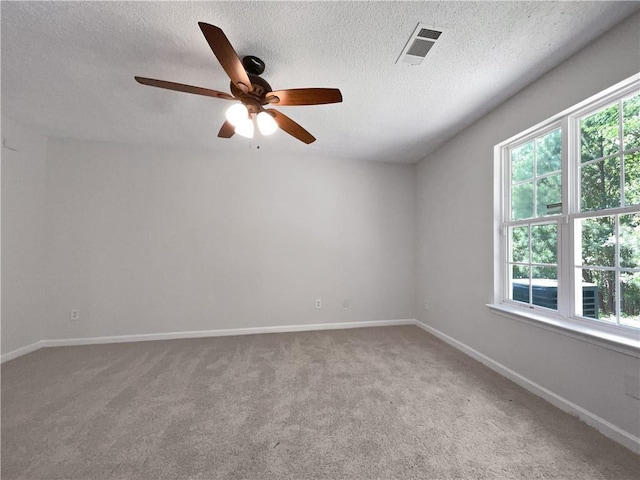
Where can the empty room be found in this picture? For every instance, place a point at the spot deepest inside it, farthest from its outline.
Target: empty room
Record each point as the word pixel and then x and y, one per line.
pixel 320 240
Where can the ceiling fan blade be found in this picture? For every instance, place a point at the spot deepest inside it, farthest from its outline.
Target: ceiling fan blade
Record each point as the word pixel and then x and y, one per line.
pixel 291 127
pixel 304 96
pixel 226 55
pixel 227 130
pixel 179 87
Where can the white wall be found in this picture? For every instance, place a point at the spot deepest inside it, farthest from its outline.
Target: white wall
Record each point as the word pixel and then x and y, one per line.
pixel 455 240
pixel 144 240
pixel 24 226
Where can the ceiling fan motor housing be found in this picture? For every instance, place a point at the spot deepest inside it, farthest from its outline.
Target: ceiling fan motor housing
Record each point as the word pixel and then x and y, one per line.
pixel 253 65
pixel 260 88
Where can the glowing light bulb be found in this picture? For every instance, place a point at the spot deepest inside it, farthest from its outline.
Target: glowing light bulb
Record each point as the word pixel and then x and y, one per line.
pixel 245 128
pixel 266 124
pixel 236 114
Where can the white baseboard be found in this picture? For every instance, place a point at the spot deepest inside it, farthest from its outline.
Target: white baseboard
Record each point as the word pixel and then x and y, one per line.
pixel 603 426
pixel 146 337
pixel 18 352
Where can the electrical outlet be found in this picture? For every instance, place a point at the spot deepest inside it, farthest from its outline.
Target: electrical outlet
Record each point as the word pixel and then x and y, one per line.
pixel 346 303
pixel 426 304
pixel 74 316
pixel 318 303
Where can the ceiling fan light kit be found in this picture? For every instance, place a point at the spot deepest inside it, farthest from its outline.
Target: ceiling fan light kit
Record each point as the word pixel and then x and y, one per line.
pixel 237 113
pixel 245 128
pixel 266 124
pixel 239 116
pixel 252 91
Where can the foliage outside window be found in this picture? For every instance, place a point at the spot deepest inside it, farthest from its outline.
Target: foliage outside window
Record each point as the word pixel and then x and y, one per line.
pixel 571 214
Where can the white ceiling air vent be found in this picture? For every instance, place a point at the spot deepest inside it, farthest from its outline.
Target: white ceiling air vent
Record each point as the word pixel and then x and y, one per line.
pixel 419 44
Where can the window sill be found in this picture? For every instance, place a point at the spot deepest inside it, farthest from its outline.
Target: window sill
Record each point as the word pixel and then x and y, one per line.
pixel 578 330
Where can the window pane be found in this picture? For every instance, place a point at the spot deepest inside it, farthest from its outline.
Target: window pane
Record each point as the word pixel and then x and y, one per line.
pixel 599 134
pixel 522 163
pixel 520 271
pixel 604 292
pixel 545 273
pixel 544 244
pixel 600 185
pixel 549 193
pixel 545 287
pixel 631 119
pixel 520 281
pixel 522 201
pixel 590 300
pixel 598 241
pixel 548 153
pixel 630 299
pixel 630 240
pixel 632 179
pixel 520 244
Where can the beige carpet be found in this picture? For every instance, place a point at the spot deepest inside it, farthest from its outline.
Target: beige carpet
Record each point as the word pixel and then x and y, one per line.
pixel 367 403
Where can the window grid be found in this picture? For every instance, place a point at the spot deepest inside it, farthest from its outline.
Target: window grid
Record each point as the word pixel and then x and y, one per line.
pixel 569 245
pixel 535 176
pixel 578 215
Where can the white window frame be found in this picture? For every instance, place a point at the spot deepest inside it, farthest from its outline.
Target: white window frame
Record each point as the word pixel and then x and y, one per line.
pixel 564 319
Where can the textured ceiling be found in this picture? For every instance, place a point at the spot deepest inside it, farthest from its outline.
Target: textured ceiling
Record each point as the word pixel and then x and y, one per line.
pixel 68 68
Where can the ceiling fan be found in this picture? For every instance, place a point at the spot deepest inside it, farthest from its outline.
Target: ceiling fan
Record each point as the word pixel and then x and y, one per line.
pixel 252 91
